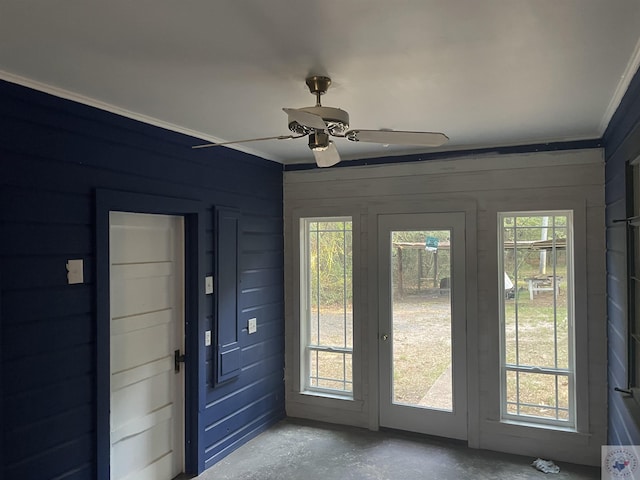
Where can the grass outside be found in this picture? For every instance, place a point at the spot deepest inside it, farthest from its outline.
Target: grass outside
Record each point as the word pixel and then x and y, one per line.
pixel 540 342
pixel 421 348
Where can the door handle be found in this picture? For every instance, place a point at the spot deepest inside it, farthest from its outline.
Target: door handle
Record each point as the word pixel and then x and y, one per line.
pixel 384 337
pixel 178 358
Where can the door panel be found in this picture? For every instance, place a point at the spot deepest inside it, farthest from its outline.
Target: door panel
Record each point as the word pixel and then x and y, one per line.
pixel 147 325
pixel 422 323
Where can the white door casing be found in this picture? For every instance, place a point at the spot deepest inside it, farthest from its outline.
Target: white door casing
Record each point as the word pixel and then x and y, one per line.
pixel 451 420
pixel 147 325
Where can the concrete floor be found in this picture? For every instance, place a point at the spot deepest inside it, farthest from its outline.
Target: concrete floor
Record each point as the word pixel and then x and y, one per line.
pixel 302 450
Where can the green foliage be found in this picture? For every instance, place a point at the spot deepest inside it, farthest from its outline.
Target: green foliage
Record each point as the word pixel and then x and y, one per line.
pixel 330 263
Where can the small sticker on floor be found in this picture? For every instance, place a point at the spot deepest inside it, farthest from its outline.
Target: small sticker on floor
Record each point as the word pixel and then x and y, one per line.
pixel 620 461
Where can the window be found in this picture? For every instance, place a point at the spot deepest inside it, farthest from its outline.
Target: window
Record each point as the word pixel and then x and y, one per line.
pixel 536 316
pixel 633 275
pixel 326 304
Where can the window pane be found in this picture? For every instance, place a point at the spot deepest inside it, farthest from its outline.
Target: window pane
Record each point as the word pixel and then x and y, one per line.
pixel 313 292
pixel 331 370
pixel 512 388
pixel 538 395
pixel 510 328
pixel 535 314
pixel 327 318
pixel 633 260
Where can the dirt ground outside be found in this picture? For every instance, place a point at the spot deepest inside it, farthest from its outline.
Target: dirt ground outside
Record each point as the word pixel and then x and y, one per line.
pixel 422 350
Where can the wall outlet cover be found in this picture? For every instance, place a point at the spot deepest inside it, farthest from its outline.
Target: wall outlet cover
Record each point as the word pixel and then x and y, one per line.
pixel 75 271
pixel 253 325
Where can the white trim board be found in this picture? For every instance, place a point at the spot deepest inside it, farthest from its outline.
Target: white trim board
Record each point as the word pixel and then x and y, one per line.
pixel 621 89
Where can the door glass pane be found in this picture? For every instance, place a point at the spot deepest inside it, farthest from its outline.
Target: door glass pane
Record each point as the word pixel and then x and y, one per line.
pixel 421 319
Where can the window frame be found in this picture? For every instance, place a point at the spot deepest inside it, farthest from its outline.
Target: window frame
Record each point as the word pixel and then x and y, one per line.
pixel 571 373
pixel 633 276
pixel 304 311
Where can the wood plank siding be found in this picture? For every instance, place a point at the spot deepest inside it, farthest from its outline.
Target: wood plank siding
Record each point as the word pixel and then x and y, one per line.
pixel 480 186
pixel 622 145
pixel 54 154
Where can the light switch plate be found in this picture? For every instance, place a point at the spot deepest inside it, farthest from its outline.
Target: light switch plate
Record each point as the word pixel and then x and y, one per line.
pixel 207 338
pixel 253 325
pixel 75 271
pixel 208 285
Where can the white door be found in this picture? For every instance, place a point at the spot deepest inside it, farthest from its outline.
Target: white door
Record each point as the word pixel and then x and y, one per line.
pixel 422 323
pixel 147 326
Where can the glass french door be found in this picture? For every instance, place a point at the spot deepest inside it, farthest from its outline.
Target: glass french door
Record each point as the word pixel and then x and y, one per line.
pixel 422 323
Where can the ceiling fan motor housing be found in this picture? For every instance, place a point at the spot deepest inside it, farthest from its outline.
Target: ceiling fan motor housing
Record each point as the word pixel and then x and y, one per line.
pixel 337 121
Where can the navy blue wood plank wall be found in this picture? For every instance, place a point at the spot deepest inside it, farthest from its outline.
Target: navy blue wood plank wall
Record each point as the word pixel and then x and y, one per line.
pixel 54 154
pixel 622 144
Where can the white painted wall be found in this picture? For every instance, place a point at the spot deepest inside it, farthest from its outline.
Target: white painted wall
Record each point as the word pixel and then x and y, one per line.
pixel 480 186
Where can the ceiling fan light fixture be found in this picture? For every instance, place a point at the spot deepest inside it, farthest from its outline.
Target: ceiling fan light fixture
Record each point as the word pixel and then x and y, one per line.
pixel 327 157
pixel 318 141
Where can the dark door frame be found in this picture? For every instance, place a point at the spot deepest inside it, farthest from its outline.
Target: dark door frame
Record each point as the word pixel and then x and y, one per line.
pixel 193 212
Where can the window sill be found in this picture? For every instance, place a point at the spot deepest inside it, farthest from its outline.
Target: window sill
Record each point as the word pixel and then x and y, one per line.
pixel 536 431
pixel 326 400
pixel 542 426
pixel 319 393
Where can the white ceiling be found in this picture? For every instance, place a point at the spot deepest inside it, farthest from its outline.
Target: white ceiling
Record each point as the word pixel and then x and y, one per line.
pixel 485 72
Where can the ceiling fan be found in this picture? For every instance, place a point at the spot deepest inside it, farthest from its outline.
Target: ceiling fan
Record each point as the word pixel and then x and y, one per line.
pixel 320 123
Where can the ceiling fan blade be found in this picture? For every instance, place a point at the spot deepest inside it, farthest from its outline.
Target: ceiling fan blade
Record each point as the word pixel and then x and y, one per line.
pixel 392 137
pixel 327 157
pixel 278 137
pixel 305 118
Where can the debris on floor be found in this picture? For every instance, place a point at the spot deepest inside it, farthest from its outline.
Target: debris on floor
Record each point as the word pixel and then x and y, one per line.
pixel 546 466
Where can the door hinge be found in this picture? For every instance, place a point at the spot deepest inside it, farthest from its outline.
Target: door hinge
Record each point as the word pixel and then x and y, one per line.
pixel 178 358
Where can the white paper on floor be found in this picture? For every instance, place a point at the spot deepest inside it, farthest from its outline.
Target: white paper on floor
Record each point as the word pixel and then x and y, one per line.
pixel 546 466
